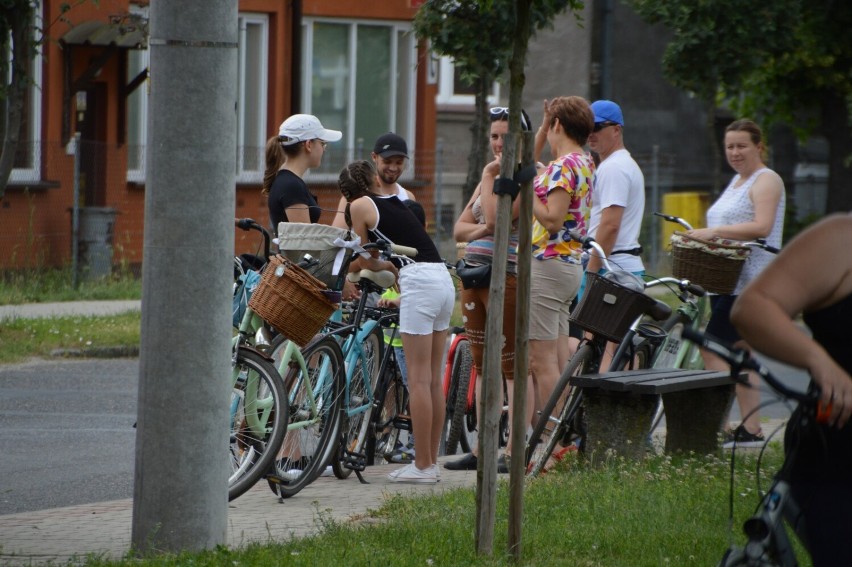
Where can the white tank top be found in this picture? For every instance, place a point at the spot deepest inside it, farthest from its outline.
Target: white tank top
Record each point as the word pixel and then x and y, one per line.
pixel 735 206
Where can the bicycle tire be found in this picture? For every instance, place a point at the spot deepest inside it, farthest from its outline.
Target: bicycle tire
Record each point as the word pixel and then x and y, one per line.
pixel 258 395
pixel 389 407
pixel 306 450
pixel 565 402
pixel 461 375
pixel 360 391
pixel 449 406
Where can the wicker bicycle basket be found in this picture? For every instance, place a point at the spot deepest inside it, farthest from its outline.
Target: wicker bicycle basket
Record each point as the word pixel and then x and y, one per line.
pixel 608 308
pixel 291 300
pixel 715 266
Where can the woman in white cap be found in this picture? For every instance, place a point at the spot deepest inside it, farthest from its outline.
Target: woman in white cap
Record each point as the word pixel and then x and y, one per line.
pixel 302 139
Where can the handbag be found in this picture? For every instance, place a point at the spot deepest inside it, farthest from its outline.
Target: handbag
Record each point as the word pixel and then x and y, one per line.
pixel 473 277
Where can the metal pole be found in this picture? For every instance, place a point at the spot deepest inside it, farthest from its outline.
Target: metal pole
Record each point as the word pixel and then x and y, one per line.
pixel 75 215
pixel 439 185
pixel 180 487
pixel 655 200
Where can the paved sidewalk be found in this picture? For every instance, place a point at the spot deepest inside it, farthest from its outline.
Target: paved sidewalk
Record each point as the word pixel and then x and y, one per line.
pixel 104 529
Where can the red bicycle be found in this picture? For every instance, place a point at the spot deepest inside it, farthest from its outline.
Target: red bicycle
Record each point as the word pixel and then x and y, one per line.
pixel 460 423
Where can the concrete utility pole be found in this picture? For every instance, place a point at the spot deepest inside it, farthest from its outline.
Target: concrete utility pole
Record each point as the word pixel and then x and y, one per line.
pixel 180 491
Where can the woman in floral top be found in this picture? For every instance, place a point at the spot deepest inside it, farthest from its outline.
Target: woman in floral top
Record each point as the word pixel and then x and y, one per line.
pixel 562 202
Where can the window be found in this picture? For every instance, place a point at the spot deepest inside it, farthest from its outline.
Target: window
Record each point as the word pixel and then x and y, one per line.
pixel 360 78
pixel 251 97
pixel 137 112
pixel 251 103
pixel 27 163
pixel 453 90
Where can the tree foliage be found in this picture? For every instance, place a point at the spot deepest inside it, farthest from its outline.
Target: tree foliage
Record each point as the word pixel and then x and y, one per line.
pixel 781 62
pixel 478 35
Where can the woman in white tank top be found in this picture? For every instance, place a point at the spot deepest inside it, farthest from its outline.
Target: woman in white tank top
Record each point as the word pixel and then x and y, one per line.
pixel 752 206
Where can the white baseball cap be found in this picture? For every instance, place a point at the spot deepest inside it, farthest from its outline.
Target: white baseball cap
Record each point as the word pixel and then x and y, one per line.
pixel 304 127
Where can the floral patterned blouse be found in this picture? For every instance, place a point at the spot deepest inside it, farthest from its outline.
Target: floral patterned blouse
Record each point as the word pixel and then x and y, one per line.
pixel 571 173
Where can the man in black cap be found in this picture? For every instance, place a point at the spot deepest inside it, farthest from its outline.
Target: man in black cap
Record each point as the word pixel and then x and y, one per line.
pixel 389 154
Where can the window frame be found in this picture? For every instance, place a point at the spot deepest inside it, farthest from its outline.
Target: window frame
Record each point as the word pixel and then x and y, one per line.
pixel 397 28
pixel 34 95
pixel 446 87
pixel 261 105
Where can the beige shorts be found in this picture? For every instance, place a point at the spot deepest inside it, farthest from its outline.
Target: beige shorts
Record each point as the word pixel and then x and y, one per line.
pixel 553 284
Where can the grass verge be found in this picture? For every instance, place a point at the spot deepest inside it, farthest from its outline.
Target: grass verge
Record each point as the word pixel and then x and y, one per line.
pixel 24 338
pixel 658 512
pixel 39 286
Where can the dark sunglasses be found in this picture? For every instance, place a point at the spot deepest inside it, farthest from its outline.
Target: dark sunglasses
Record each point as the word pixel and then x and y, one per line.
pixel 601 125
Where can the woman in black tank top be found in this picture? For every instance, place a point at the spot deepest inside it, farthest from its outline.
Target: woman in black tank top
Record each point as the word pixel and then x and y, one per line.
pixel 426 304
pixel 812 275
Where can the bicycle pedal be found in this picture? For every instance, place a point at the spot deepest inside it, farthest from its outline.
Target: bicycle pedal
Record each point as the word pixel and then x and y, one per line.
pixel 354 461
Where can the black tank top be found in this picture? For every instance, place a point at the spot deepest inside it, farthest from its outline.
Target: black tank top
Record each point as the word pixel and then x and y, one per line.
pixel 400 226
pixel 824 453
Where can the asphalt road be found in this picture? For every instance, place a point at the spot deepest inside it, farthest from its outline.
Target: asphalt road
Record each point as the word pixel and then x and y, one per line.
pixel 67 437
pixel 66 432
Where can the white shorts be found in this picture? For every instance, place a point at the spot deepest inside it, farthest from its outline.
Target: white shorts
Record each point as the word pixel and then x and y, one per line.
pixel 427 298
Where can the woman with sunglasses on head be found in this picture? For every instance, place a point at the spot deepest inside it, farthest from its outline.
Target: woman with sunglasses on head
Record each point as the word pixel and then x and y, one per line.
pixel 301 140
pixel 562 202
pixel 475 226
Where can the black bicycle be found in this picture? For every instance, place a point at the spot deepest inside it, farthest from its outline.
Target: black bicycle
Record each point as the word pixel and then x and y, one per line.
pixel 767 542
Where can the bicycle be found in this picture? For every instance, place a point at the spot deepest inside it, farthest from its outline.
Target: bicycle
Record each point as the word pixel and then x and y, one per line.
pixel 313 385
pixel 258 410
pixel 561 420
pixel 390 415
pixel 767 540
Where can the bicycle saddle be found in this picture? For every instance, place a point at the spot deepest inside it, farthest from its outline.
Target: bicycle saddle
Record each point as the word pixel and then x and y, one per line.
pixel 382 278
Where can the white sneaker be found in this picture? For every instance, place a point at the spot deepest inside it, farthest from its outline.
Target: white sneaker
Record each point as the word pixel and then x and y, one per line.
pixel 437 470
pixel 292 474
pixel 327 472
pixel 411 474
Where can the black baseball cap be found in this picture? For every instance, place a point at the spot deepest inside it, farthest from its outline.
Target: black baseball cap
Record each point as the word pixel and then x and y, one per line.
pixel 390 144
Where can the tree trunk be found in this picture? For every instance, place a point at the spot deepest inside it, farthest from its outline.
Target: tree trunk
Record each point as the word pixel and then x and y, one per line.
pixel 479 142
pixel 22 54
pixel 835 127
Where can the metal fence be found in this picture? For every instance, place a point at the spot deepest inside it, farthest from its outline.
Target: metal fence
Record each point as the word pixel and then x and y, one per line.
pixel 83 208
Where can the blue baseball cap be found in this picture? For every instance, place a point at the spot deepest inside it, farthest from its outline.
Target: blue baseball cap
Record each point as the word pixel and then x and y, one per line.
pixel 607 111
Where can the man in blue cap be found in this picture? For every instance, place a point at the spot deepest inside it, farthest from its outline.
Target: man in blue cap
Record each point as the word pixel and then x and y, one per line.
pixel 618 204
pixel 618 199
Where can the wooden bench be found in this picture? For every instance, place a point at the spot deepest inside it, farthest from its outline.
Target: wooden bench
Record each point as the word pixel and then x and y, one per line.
pixel 620 407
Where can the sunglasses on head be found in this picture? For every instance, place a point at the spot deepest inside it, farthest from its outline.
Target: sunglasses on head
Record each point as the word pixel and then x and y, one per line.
pixel 499 112
pixel 601 125
pixel 502 113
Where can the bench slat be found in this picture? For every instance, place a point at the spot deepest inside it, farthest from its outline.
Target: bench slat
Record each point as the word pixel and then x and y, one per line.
pixel 653 380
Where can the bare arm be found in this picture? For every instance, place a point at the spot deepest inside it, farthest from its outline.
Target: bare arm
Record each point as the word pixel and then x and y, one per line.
pixel 606 234
pixel 466 228
pixel 813 271
pixel 541 133
pixel 552 214
pixel 766 193
pixel 339 220
pixel 298 213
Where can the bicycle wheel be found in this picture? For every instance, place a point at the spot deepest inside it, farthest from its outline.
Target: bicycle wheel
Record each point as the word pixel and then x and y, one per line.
pixel 460 381
pixel 390 410
pixel 561 421
pixel 315 398
pixel 258 420
pixel 362 379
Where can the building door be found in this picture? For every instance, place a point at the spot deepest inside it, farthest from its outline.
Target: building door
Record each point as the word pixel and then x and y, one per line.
pixel 93 147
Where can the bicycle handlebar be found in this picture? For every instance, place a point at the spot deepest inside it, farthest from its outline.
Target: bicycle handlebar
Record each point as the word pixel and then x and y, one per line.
pixel 250 224
pixel 674 219
pixel 589 242
pixel 739 359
